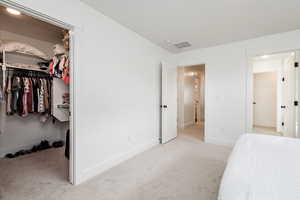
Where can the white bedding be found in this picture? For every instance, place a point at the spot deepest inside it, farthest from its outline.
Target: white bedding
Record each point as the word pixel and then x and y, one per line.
pixel 262 167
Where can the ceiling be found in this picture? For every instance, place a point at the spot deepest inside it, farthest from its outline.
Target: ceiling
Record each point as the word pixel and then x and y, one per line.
pixel 202 23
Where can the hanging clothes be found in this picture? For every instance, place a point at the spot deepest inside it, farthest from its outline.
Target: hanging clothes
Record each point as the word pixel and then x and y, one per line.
pixel 2 100
pixel 26 94
pixel 8 95
pixel 16 86
pixel 66 72
pixel 59 67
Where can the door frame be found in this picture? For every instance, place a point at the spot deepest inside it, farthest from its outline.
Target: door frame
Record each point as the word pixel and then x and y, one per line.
pixel 205 89
pixel 249 85
pixel 43 17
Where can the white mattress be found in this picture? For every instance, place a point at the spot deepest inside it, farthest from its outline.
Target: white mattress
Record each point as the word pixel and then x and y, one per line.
pixel 262 167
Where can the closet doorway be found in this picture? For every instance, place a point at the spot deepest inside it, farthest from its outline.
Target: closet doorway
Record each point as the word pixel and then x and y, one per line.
pixel 191 101
pixel 36 79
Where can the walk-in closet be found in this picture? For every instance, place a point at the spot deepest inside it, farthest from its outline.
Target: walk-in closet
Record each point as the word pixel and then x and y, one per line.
pixel 34 100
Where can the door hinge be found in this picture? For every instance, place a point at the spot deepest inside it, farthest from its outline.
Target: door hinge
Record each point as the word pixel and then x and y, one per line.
pixel 295 103
pixel 282 123
pixel 283 79
pixel 296 64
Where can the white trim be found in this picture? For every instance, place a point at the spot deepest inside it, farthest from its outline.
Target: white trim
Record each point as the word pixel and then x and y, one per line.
pixel 112 162
pixel 64 25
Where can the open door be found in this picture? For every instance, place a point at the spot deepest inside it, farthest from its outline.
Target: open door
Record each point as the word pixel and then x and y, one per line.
pixel 168 103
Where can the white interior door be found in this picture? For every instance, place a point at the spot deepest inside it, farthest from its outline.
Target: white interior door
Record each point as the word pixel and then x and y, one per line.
pixel 168 102
pixel 288 98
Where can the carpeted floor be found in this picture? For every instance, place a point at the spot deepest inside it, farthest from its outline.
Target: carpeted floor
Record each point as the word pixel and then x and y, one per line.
pixel 184 169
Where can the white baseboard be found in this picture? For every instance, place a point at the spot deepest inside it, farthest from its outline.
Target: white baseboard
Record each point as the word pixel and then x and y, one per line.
pixel 116 160
pixel 217 141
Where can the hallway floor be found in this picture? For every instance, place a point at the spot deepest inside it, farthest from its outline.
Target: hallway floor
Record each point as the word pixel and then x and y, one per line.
pixel 185 168
pixel 196 131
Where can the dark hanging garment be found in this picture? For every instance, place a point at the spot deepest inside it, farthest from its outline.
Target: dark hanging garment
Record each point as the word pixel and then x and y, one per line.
pixel 15 93
pixel 35 95
pixel 20 99
pixel 29 97
pixel 67 149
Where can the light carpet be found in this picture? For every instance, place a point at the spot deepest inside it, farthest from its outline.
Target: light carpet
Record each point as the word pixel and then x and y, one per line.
pixel 184 169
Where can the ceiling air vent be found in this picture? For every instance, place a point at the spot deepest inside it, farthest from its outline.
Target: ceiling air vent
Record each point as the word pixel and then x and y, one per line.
pixel 182 45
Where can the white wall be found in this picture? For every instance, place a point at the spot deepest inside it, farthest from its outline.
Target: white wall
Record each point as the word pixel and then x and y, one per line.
pixel 226 76
pixel 265 97
pixel 116 88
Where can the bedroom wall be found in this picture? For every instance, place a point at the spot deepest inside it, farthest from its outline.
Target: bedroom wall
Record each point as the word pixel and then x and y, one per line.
pixel 227 80
pixel 19 132
pixel 117 120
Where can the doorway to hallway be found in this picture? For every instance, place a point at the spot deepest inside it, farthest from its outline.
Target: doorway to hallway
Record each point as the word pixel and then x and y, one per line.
pixel 191 101
pixel 274 80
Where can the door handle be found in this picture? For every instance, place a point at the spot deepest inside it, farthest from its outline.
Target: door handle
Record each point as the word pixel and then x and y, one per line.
pixel 254 103
pixel 283 106
pixel 164 106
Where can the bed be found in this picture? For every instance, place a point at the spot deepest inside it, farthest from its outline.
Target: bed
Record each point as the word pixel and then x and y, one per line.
pixel 262 167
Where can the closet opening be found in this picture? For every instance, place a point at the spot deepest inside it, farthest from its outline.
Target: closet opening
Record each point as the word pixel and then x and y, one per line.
pixel 35 100
pixel 191 101
pixel 274 80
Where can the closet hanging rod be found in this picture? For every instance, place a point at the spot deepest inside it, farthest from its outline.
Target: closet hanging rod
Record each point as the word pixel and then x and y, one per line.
pixel 28 73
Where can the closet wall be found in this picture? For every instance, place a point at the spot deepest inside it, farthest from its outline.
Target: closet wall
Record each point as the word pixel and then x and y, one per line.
pixel 24 132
